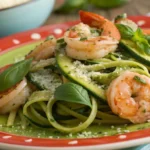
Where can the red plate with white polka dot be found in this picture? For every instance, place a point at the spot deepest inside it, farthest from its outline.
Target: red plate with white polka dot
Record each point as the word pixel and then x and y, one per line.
pixel 9 141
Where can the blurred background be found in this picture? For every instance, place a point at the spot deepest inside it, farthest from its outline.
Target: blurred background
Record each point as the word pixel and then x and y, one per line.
pixel 106 8
pixel 22 15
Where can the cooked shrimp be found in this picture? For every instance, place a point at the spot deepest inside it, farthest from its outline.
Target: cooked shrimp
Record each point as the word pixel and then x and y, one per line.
pixel 84 42
pixel 43 51
pixel 94 20
pixel 15 97
pixel 128 97
pixel 146 31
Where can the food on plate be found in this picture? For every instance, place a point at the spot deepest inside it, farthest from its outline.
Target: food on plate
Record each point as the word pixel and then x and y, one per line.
pixel 96 74
pixel 43 51
pixel 128 96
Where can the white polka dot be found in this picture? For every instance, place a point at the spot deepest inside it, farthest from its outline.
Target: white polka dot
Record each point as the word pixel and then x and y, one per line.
pixel 58 31
pixel 6 137
pixel 122 136
pixel 141 22
pixel 28 140
pixel 35 36
pixel 73 142
pixel 15 41
pixel 148 14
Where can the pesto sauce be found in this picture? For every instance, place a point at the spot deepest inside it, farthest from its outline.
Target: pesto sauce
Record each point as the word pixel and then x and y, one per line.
pixel 92 131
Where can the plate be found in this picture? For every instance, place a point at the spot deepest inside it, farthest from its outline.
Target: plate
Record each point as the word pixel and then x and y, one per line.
pixel 14 142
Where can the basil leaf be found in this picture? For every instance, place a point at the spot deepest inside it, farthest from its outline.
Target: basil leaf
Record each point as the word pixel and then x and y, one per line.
pixel 147 37
pixel 144 46
pixel 71 92
pixel 141 41
pixel 140 80
pixel 138 34
pixel 14 74
pixel 71 5
pixel 125 31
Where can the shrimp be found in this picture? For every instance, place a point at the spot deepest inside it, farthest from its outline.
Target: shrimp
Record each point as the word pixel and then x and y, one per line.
pixel 95 20
pixel 128 97
pixel 43 51
pixel 89 40
pixel 146 31
pixel 14 97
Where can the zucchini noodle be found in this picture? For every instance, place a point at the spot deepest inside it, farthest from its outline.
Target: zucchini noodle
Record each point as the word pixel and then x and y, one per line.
pixel 24 121
pixel 118 63
pixel 31 113
pixel 106 78
pixel 80 127
pixel 11 117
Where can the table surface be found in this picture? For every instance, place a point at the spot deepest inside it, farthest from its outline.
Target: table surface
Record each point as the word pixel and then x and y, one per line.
pixel 133 7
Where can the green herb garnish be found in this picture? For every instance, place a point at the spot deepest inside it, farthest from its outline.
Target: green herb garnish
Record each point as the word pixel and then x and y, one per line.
pixel 125 31
pixel 61 43
pixel 83 38
pixel 49 38
pixel 61 40
pixel 14 74
pixel 147 37
pixel 138 37
pixel 140 80
pixel 71 92
pixel 141 41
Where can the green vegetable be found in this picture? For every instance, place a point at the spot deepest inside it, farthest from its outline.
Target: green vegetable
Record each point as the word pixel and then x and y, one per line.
pixel 42 64
pixel 61 40
pixel 71 5
pixel 147 38
pixel 125 31
pixel 138 37
pixel 14 74
pixel 141 41
pixel 61 43
pixel 83 39
pixel 72 92
pixel 30 111
pixel 65 64
pixel 136 53
pixel 140 80
pixel 122 16
pixel 107 4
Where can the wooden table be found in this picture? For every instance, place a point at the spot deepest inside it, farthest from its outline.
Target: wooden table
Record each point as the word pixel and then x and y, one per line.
pixel 133 7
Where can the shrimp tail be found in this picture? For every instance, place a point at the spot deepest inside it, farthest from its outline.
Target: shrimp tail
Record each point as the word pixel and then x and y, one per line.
pixel 92 19
pixel 95 20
